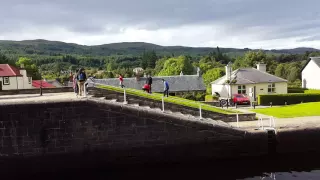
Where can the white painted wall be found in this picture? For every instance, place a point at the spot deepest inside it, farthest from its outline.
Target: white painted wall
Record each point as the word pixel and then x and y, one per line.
pixel 310 76
pixel 262 88
pixel 20 82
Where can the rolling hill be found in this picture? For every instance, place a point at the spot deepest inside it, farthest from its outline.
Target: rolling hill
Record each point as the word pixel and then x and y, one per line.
pixel 45 47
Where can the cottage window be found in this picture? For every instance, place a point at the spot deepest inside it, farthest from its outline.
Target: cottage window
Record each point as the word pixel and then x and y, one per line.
pixel 242 89
pixel 272 87
pixel 6 81
pixel 29 80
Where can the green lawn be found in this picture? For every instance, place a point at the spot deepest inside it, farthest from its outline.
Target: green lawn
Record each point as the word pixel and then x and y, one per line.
pixel 297 110
pixel 171 99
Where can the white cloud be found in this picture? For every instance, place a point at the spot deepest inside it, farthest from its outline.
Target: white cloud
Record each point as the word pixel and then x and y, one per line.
pixel 267 24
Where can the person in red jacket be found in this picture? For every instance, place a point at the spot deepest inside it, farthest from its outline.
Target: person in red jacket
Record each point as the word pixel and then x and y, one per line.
pixel 146 88
pixel 121 80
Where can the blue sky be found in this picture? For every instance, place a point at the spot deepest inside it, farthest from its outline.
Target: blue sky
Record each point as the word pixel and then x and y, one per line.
pixel 267 24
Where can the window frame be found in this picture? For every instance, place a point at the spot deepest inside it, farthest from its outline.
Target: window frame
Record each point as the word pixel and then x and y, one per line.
pixel 242 89
pixel 4 80
pixel 272 88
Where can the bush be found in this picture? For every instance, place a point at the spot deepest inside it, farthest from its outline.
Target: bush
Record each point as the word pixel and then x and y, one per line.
pixel 296 90
pixel 293 98
pixel 210 98
pixel 303 90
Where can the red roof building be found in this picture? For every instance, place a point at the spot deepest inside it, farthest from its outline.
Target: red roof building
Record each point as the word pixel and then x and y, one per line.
pixel 45 84
pixel 7 70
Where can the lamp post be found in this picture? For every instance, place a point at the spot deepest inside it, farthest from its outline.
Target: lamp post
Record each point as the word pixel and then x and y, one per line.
pixel 40 83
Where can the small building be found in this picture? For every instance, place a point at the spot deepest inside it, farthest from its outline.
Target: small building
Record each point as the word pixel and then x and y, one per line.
pixel 249 81
pixel 14 78
pixel 310 74
pixel 178 84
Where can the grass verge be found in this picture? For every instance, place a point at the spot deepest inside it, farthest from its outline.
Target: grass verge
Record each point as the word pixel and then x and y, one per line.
pixel 170 99
pixel 297 110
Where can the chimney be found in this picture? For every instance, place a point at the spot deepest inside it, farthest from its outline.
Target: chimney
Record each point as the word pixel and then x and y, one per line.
pixel 262 67
pixel 228 70
pixel 198 71
pixel 181 73
pixel 22 66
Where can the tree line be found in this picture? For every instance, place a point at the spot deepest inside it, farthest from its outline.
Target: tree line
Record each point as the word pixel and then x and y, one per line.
pixel 287 66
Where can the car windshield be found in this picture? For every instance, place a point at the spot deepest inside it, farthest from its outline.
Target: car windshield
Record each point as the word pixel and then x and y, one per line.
pixel 240 96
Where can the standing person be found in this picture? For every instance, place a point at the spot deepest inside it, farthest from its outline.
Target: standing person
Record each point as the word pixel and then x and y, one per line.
pixel 149 82
pixel 166 88
pixel 121 80
pixel 81 78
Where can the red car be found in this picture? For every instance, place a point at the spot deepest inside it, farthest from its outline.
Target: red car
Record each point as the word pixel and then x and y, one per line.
pixel 241 99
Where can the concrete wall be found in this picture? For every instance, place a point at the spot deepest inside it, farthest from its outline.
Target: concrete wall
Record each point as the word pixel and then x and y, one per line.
pixel 119 132
pixel 36 91
pixel 310 76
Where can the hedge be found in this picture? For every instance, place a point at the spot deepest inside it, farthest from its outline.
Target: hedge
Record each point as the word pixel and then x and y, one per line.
pixel 303 90
pixel 293 98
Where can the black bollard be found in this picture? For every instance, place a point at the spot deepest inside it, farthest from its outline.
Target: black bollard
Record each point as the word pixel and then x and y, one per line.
pixel 270 104
pixel 40 91
pixel 236 105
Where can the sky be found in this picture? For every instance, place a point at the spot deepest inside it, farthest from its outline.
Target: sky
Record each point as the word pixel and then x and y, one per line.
pixel 266 24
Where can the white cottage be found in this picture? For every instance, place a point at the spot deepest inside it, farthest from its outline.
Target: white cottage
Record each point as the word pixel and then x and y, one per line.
pixel 14 78
pixel 311 73
pixel 249 81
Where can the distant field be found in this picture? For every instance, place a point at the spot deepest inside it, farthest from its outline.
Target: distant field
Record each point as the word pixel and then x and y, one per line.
pixel 297 110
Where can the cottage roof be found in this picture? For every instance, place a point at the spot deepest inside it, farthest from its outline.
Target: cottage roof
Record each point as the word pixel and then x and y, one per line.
pixel 8 70
pixel 250 76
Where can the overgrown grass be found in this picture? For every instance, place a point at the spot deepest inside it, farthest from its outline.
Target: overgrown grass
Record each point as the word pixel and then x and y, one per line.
pixel 297 110
pixel 170 99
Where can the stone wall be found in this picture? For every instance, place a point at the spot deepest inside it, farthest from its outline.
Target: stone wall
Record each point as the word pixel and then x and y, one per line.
pixel 117 132
pixel 170 106
pixel 36 91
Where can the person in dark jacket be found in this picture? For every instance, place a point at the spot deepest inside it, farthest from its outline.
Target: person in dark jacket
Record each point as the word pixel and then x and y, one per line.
pixel 149 82
pixel 81 79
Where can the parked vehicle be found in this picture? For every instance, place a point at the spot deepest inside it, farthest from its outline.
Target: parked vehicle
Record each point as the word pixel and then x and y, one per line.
pixel 240 99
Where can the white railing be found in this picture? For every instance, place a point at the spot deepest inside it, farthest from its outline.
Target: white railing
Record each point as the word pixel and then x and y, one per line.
pixel 270 124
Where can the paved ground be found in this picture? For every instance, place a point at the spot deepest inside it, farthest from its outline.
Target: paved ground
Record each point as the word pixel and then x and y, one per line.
pixel 281 123
pixel 21 98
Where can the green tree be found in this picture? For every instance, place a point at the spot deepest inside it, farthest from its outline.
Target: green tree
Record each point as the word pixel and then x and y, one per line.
pixel 294 74
pixel 280 71
pixel 30 67
pixel 211 75
pixel 174 66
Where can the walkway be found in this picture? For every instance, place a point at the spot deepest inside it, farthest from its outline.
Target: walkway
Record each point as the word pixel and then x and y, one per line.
pixel 22 98
pixel 281 123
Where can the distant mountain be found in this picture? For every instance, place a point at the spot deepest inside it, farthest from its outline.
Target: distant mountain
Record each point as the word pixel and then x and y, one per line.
pixel 45 47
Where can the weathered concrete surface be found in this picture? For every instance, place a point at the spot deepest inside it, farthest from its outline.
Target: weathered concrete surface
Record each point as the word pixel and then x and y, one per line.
pixel 62 124
pixel 36 91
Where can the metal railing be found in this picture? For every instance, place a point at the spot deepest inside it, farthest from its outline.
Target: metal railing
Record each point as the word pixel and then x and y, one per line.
pixel 270 125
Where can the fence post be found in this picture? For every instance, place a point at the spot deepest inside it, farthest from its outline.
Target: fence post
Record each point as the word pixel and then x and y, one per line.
pixel 162 103
pixel 237 120
pixel 200 111
pixel 124 96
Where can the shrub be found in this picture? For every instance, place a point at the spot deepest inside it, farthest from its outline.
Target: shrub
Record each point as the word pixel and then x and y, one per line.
pixel 293 98
pixel 211 98
pixel 296 90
